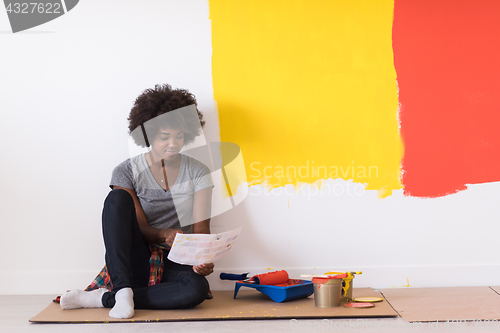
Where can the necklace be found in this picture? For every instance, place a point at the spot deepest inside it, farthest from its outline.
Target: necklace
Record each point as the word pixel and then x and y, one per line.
pixel 165 172
pixel 163 167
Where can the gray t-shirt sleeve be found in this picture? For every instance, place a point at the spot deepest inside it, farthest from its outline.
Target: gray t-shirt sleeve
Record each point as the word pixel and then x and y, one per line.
pixel 122 175
pixel 201 176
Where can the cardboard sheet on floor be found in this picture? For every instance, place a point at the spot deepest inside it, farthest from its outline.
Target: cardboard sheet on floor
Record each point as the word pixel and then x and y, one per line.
pixel 442 304
pixel 249 304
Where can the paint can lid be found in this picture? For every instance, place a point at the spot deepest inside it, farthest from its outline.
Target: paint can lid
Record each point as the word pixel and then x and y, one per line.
pixel 327 280
pixel 359 305
pixel 368 299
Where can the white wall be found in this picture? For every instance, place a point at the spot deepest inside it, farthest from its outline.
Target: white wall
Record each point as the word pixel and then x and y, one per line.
pixel 66 89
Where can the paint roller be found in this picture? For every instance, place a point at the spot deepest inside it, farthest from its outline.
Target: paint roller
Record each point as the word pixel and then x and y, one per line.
pixel 271 278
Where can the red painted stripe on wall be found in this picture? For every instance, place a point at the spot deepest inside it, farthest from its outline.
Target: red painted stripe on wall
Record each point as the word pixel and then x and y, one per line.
pixel 447 59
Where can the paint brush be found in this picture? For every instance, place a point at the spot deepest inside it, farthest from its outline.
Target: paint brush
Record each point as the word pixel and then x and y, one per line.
pixel 342 272
pixel 327 275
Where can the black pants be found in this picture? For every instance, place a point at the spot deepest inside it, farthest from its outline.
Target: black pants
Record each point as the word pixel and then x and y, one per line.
pixel 127 259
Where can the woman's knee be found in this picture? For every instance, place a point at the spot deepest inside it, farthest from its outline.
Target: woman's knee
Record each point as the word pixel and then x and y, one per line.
pixel 196 290
pixel 118 199
pixel 118 196
pixel 118 207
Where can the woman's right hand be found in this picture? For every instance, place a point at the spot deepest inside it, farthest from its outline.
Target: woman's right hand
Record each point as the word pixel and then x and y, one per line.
pixel 169 235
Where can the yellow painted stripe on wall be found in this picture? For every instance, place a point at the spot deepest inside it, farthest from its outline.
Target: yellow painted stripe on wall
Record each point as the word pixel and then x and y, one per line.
pixel 308 90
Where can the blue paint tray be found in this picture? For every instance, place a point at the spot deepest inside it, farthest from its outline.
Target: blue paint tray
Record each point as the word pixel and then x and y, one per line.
pixel 293 289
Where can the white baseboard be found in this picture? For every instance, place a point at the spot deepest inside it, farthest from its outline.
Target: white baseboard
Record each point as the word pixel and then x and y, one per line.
pixel 45 282
pixel 53 282
pixel 392 277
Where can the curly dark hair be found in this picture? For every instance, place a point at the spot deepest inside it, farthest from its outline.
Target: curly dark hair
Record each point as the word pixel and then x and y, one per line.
pixel 158 101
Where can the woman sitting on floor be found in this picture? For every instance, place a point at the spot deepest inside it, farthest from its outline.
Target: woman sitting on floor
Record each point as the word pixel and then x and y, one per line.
pixel 154 196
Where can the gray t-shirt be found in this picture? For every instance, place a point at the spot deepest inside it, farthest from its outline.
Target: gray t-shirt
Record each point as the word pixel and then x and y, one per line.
pixel 170 209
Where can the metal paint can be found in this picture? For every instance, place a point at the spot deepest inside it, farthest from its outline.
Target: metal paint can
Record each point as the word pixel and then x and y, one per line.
pixel 327 292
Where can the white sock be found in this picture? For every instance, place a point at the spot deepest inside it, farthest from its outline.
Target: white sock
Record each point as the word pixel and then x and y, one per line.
pixel 124 304
pixel 76 299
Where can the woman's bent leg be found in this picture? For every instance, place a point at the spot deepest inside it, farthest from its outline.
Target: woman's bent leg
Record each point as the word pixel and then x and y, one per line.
pixel 181 290
pixel 127 254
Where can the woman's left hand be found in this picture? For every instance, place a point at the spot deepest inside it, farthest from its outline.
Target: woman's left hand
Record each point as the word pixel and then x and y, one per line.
pixel 204 269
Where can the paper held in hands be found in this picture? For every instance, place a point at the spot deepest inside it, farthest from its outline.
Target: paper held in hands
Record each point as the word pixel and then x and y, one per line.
pixel 197 249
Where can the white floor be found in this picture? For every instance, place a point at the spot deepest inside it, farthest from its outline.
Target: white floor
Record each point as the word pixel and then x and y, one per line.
pixel 15 312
